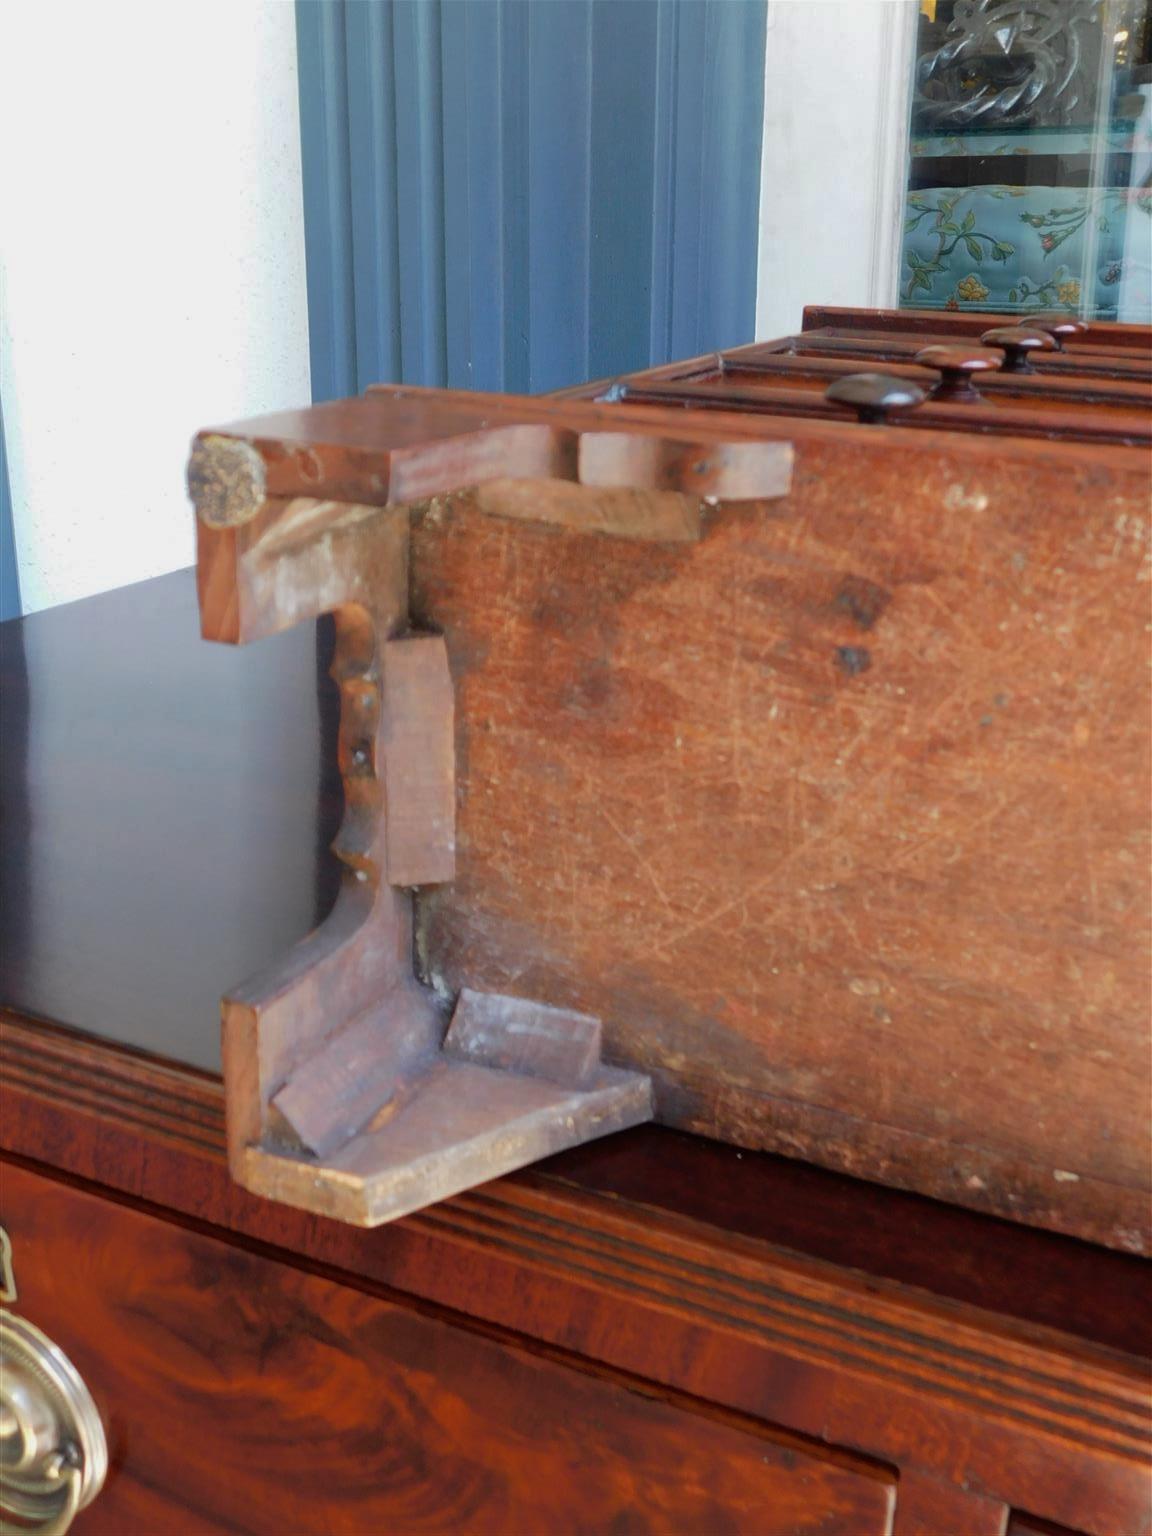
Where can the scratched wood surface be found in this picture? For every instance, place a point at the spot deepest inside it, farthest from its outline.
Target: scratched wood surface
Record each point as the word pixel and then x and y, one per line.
pixel 837 818
pixel 831 805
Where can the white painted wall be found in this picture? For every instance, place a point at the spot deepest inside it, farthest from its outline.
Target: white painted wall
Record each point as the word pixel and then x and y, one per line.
pixel 151 267
pixel 836 98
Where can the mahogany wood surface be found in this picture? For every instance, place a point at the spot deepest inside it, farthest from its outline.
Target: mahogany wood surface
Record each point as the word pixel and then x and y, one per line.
pixel 1068 417
pixel 60 1089
pixel 247 1395
pixel 750 365
pixel 1093 1201
pixel 928 1504
pixel 339 1044
pixel 1088 401
pixel 971 1408
pixel 653 1334
pixel 760 364
pixel 1118 364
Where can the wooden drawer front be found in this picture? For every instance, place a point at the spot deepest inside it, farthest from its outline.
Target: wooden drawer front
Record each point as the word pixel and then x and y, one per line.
pixel 242 1394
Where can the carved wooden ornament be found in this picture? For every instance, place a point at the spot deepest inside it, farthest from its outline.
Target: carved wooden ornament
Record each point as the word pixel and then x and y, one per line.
pixel 354 1088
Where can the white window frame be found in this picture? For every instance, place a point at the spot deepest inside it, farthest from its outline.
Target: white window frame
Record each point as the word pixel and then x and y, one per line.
pixel 837 81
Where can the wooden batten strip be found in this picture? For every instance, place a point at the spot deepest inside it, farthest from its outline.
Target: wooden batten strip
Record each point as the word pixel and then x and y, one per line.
pixel 419 761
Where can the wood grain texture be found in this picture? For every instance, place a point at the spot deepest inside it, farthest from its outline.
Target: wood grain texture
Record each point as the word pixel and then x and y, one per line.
pixel 1078 362
pixel 854 870
pixel 928 1507
pixel 238 790
pixel 252 1397
pixel 339 1097
pixel 518 1036
pixel 292 482
pixel 759 364
pixel 845 813
pixel 799 363
pixel 152 1129
pixel 992 1408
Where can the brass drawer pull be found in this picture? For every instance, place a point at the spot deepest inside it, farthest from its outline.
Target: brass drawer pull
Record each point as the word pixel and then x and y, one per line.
pixel 53 1452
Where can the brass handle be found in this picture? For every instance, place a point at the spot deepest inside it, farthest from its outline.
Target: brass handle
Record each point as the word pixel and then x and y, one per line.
pixel 53 1452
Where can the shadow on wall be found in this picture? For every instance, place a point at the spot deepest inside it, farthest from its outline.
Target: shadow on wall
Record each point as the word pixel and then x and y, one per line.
pixel 9 577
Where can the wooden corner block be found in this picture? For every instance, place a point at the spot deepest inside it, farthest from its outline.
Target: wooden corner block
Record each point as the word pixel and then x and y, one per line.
pixel 512 1034
pixel 387 1125
pixel 359 1075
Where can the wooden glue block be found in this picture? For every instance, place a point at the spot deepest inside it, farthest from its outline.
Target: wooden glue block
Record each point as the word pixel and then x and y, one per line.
pixel 514 1035
pixel 399 1126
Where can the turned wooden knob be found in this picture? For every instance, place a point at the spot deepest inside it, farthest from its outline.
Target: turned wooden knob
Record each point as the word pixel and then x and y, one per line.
pixel 1060 327
pixel 1016 341
pixel 957 365
pixel 875 396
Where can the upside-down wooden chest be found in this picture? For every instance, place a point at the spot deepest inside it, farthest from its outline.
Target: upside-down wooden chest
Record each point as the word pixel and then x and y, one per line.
pixel 802 759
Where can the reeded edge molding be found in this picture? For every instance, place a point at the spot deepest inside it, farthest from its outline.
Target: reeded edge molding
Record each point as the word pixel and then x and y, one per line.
pixel 58 1067
pixel 823 1320
pixel 1086 1394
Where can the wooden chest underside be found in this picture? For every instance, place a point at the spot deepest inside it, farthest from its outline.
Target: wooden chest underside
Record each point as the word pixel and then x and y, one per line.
pixel 838 818
pixel 833 808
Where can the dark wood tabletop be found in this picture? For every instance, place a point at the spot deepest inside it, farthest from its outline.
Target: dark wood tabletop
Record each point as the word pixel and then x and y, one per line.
pixel 166 807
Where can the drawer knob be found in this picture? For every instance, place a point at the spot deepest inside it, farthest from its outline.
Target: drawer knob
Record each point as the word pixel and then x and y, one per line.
pixel 957 366
pixel 53 1452
pixel 875 396
pixel 1016 342
pixel 1060 327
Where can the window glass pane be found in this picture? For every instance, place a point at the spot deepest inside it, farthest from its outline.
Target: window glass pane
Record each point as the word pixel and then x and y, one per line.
pixel 1030 158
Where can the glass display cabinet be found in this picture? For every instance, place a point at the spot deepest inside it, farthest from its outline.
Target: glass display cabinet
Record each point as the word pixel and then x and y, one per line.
pixel 1029 180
